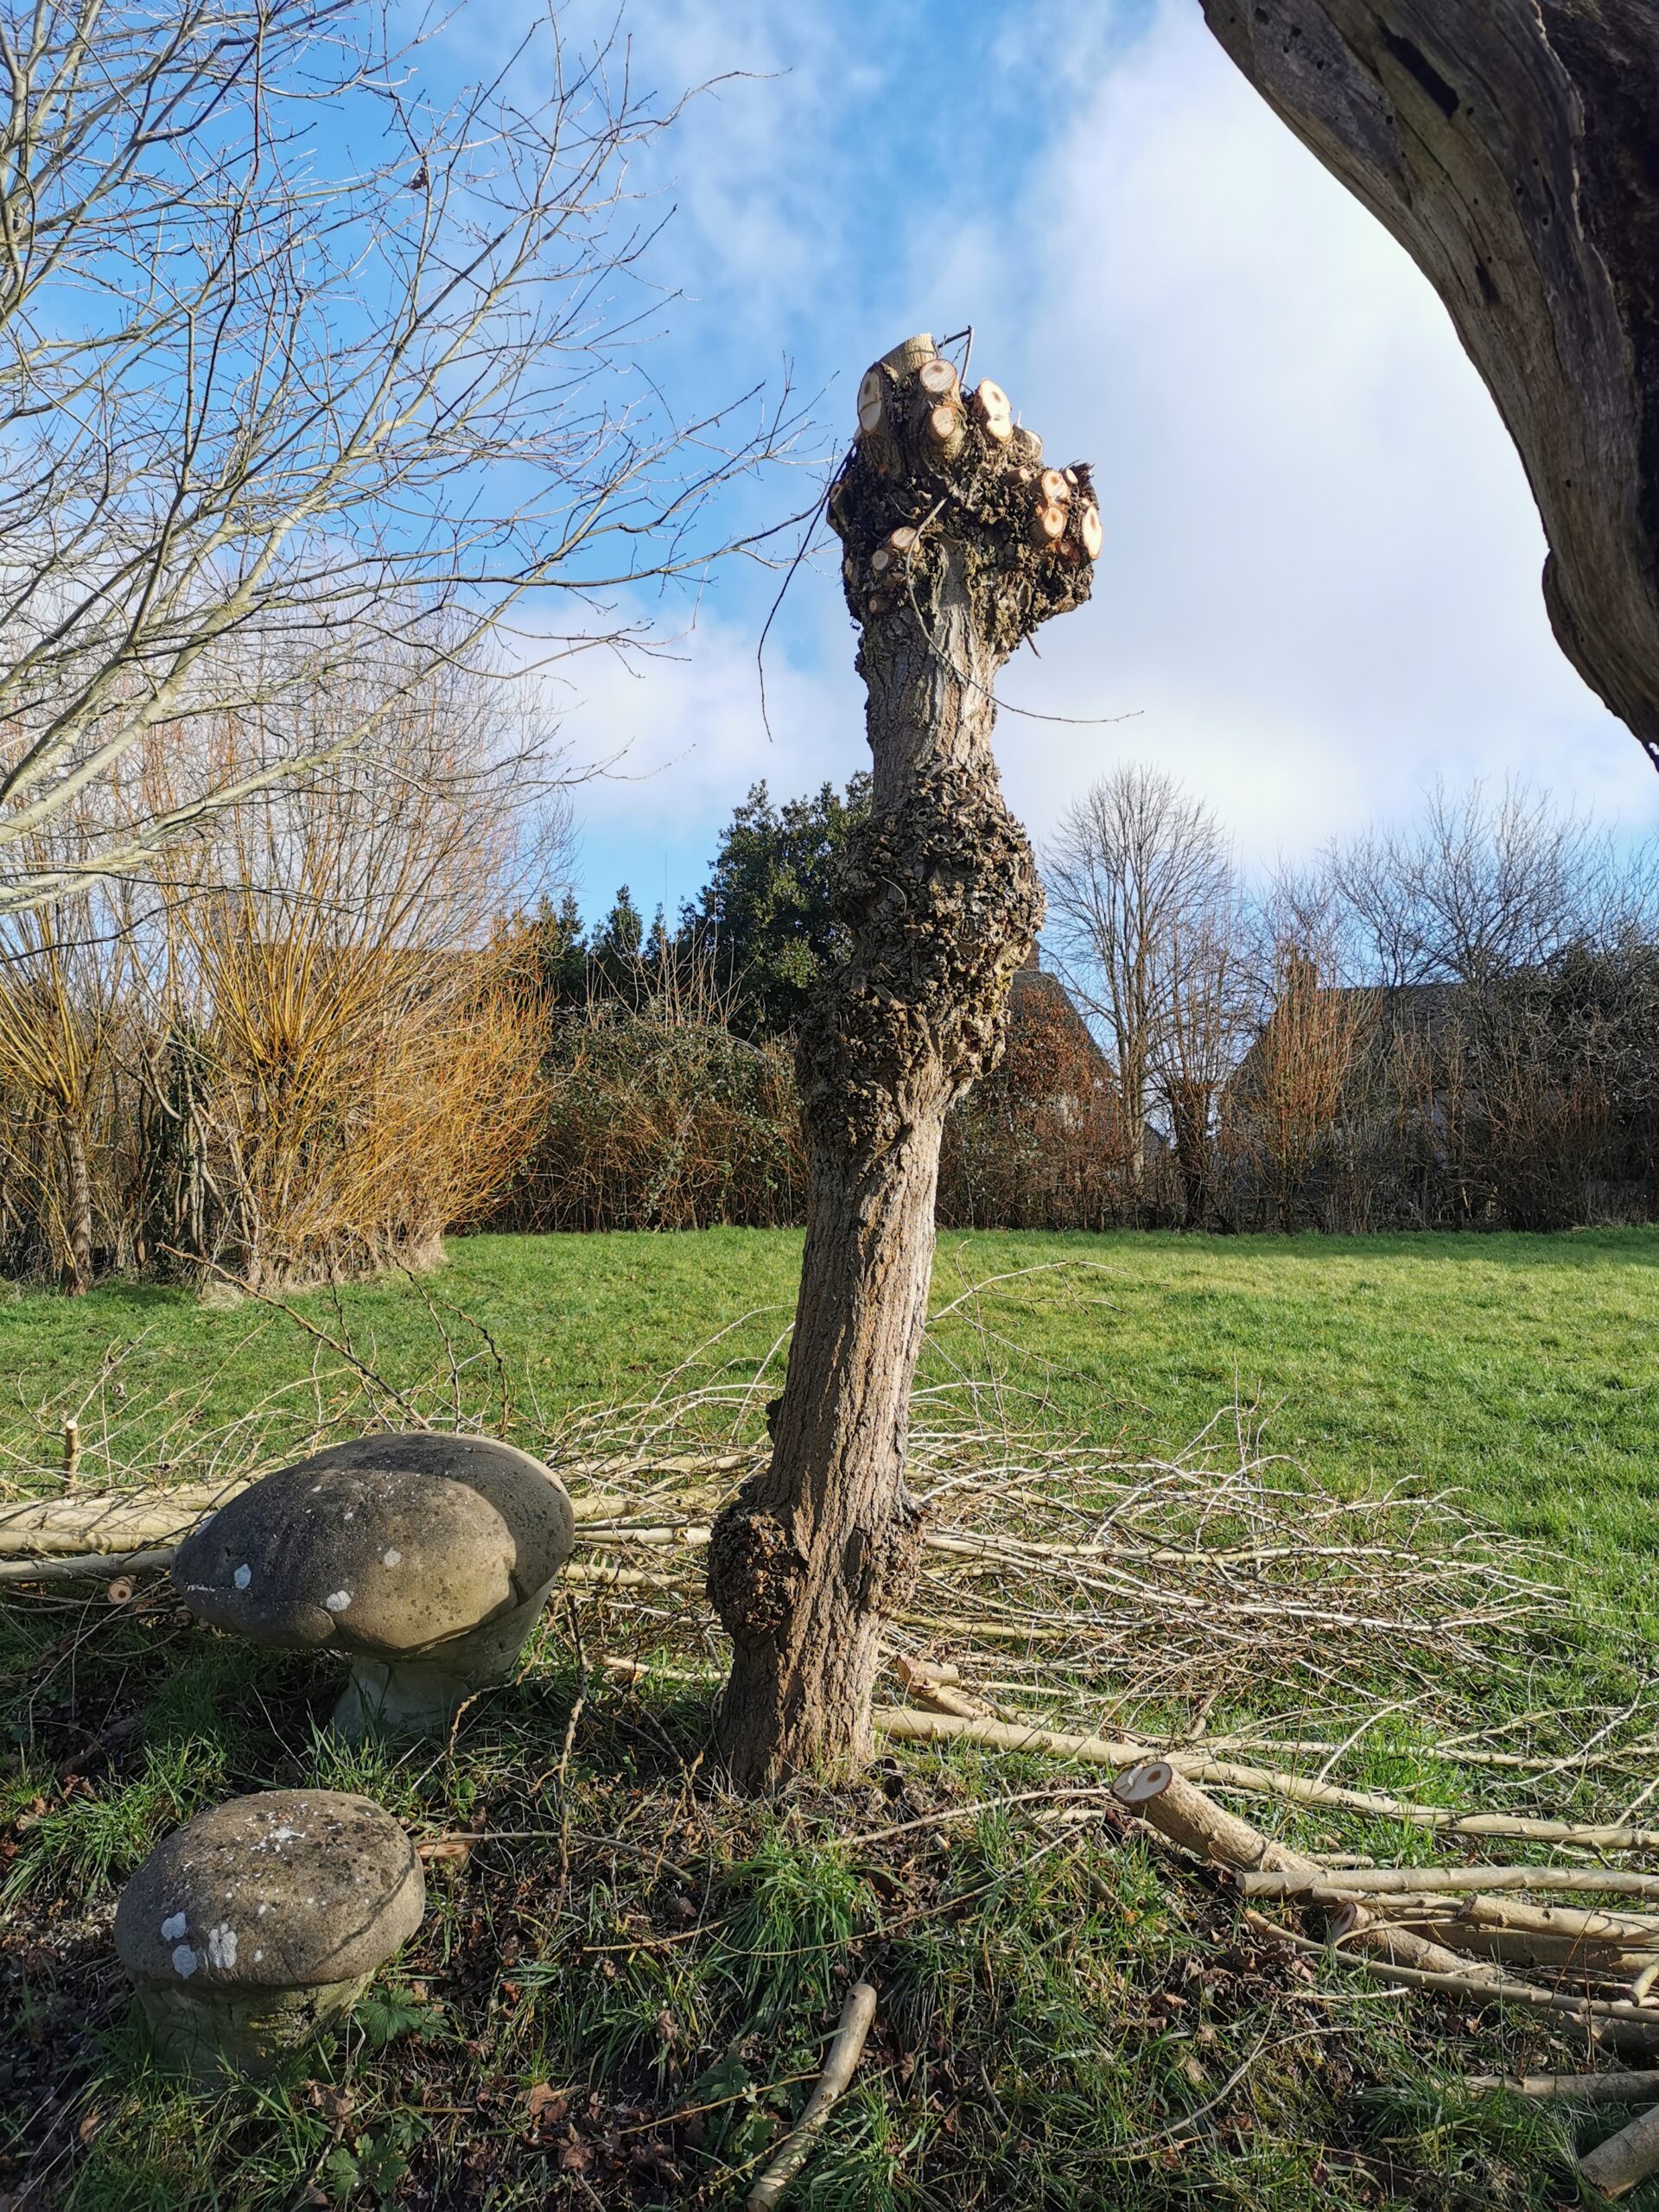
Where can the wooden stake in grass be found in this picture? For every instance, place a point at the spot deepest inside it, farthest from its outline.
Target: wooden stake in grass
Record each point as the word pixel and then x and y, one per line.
pixel 940 895
pixel 856 2015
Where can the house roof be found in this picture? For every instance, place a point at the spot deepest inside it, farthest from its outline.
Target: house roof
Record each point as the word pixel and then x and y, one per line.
pixel 1037 996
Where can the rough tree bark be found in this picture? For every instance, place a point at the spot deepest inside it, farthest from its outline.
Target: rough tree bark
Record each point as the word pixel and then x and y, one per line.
pixel 1512 146
pixel 77 1207
pixel 957 544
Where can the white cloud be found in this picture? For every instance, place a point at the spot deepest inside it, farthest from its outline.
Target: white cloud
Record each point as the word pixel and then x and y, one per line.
pixel 1321 583
pixel 692 739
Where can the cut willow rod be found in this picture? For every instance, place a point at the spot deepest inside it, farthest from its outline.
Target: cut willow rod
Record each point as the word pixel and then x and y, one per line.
pixel 1397 1881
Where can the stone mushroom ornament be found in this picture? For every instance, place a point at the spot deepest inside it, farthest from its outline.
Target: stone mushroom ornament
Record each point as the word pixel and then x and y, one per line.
pixel 426 1558
pixel 251 1929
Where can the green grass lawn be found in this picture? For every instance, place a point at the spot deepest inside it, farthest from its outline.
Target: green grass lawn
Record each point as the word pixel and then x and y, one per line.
pixel 1524 1370
pixel 652 1968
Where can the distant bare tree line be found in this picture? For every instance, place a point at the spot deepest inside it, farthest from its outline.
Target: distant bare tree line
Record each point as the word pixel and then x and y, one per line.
pixel 328 1028
pixel 1453 1021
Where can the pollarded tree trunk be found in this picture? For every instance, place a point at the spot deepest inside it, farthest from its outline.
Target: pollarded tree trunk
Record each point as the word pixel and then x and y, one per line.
pixel 958 543
pixel 1512 146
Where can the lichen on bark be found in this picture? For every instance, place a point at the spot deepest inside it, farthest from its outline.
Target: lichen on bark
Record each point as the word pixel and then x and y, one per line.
pixel 957 544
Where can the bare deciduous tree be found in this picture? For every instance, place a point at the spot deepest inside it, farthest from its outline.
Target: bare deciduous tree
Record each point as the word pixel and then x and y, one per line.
pixel 1476 887
pixel 295 363
pixel 1212 1003
pixel 1139 884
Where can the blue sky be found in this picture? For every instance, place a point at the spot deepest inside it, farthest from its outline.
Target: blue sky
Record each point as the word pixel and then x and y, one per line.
pixel 1319 588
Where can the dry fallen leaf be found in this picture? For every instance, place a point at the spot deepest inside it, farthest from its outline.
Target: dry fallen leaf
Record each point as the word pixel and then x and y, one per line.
pixel 547 2108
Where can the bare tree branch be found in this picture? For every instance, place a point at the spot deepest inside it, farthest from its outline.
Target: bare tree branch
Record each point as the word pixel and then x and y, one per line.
pixel 265 408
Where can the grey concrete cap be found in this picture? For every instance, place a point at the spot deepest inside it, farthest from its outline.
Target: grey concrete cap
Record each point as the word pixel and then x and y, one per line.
pixel 389 1545
pixel 282 1891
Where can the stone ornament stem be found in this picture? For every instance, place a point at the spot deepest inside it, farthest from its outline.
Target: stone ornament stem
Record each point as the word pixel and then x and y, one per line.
pixel 957 546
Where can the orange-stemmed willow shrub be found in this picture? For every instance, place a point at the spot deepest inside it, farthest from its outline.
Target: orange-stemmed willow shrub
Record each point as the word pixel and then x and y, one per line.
pixel 298 1054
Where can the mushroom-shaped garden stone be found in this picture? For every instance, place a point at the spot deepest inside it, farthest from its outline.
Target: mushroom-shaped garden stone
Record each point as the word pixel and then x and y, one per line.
pixel 426 1558
pixel 256 1924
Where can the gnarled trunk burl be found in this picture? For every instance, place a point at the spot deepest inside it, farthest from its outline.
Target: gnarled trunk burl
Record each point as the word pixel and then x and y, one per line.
pixel 958 543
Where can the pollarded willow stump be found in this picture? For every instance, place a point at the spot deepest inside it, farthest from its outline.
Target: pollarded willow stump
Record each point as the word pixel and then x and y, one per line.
pixel 958 542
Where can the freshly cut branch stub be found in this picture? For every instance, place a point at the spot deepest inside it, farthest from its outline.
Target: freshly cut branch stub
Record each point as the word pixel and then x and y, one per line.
pixel 426 1558
pixel 993 411
pixel 255 1926
pixel 1048 525
pixel 1055 488
pixel 901 540
pixel 945 426
pixel 1180 1809
pixel 938 377
pixel 871 399
pixel 1088 529
pixel 909 356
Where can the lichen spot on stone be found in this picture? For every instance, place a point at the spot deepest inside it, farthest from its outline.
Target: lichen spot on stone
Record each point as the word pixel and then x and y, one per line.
pixel 393 1558
pixel 185 1962
pixel 337 1600
pixel 258 1956
pixel 243 1576
pixel 222 1945
pixel 173 1928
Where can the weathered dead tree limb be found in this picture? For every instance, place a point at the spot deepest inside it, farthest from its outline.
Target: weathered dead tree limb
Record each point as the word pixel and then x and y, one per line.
pixel 1258 1782
pixel 1564 1923
pixel 1512 146
pixel 1178 1808
pixel 86 1566
pixel 906 1727
pixel 1397 1881
pixel 946 573
pixel 1623 2020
